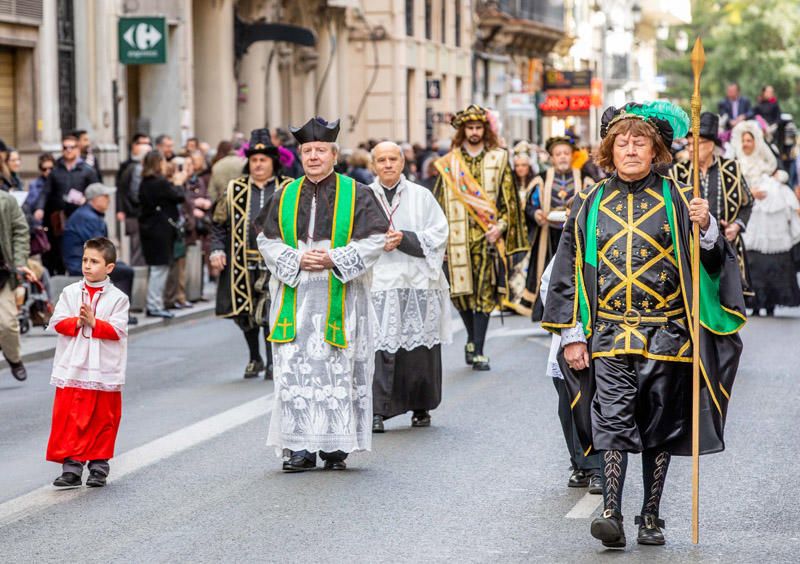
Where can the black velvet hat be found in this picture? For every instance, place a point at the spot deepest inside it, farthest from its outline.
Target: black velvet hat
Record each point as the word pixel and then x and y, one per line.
pixel 316 129
pixel 669 121
pixel 709 127
pixel 261 143
pixel 559 140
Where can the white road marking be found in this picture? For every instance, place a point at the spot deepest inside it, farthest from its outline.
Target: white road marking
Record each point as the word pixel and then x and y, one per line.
pixel 143 456
pixel 586 505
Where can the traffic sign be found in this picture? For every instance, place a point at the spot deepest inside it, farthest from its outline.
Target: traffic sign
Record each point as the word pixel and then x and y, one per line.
pixel 142 40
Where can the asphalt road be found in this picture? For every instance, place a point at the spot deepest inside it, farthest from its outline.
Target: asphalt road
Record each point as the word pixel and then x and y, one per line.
pixel 486 483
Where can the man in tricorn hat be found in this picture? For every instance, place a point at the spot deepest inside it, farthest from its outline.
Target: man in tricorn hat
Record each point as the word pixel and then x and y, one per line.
pixel 242 294
pixel 546 206
pixel 723 185
pixel 321 236
pixel 476 190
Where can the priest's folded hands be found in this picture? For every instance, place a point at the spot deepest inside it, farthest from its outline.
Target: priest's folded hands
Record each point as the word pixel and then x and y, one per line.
pixel 393 240
pixel 316 260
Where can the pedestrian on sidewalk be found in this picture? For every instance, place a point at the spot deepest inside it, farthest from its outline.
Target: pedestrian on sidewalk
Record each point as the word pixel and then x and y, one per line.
pixel 322 235
pixel 160 228
pixel 410 294
pixel 619 296
pixel 14 251
pixel 91 320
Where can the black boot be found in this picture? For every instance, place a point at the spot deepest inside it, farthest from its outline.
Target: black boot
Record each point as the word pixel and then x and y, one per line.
pixel 253 368
pixel 578 479
pixel 481 363
pixel 650 532
pixel 68 480
pixel 377 424
pixel 609 529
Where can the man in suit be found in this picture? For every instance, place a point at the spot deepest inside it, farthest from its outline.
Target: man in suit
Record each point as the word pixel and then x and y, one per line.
pixel 734 108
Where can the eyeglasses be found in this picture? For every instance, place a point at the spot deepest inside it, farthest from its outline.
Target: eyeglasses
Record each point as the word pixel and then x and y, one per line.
pixel 46 169
pixel 69 147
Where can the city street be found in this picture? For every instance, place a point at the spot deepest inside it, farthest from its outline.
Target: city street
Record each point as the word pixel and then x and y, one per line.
pixel 194 481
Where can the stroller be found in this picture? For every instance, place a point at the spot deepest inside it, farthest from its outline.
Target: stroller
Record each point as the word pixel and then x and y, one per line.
pixel 35 309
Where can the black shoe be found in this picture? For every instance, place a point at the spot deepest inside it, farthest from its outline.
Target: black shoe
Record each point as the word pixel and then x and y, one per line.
pixel 377 424
pixel 96 479
pixel 469 353
pixel 162 313
pixel 18 370
pixel 421 419
pixel 650 530
pixel 268 373
pixel 481 362
pixel 335 465
pixel 298 463
pixel 68 480
pixel 609 529
pixel 133 320
pixel 578 479
pixel 596 484
pixel 253 368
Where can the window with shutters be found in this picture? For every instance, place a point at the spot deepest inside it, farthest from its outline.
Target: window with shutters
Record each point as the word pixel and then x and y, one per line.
pixel 410 18
pixel 8 112
pixel 66 65
pixel 26 11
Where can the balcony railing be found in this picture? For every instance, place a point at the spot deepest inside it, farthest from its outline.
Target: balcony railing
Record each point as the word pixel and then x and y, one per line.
pixel 547 12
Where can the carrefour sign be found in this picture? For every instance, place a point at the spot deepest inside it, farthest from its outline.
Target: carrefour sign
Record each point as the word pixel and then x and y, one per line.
pixel 142 40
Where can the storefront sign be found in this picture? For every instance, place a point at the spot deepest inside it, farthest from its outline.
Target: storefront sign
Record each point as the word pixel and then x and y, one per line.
pixel 142 41
pixel 563 80
pixel 572 104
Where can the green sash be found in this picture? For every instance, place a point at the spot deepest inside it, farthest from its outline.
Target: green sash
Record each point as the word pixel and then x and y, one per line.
pixel 714 316
pixel 285 329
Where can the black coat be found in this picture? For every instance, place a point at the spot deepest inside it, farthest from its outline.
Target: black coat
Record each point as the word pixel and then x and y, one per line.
pixel 159 200
pixel 61 181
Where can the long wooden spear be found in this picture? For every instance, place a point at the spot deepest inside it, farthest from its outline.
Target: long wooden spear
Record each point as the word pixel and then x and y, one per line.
pixel 698 62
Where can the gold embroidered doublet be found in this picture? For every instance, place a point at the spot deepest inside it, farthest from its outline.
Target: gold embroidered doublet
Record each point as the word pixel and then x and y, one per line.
pixel 639 303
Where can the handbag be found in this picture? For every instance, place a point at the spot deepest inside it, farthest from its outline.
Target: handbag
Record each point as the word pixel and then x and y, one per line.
pixel 40 244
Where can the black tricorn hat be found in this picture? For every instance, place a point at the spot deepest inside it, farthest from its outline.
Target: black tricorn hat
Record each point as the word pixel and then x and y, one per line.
pixel 261 143
pixel 709 127
pixel 559 140
pixel 316 129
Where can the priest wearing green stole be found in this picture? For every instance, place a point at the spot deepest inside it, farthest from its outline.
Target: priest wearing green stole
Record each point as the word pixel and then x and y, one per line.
pixel 321 236
pixel 620 297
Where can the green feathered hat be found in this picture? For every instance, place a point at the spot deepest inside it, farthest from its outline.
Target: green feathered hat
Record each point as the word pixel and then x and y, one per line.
pixel 669 120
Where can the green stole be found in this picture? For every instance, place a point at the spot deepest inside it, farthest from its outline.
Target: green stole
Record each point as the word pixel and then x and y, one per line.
pixel 713 315
pixel 285 329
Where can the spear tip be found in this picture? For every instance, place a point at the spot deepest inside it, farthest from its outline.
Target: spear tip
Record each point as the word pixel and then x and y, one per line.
pixel 698 56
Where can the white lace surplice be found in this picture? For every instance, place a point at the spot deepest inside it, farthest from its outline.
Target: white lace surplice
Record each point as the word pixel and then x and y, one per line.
pixel 411 294
pixel 323 394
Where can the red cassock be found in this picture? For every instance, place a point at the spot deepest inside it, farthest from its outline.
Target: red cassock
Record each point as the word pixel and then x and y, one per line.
pixel 85 422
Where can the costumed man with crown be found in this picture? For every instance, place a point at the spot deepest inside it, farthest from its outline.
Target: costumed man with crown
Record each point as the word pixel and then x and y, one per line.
pixel 242 294
pixel 321 236
pixel 476 190
pixel 724 186
pixel 620 297
pixel 546 209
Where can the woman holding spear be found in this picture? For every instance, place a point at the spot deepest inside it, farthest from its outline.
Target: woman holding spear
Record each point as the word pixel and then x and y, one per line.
pixel 620 296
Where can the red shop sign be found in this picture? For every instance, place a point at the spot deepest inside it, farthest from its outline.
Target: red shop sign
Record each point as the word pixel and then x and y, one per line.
pixel 561 103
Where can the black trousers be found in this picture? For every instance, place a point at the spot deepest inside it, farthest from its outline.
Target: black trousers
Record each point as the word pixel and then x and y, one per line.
pixel 640 404
pixel 122 277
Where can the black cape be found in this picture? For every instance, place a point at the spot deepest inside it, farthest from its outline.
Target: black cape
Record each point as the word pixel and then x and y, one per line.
pixel 719 350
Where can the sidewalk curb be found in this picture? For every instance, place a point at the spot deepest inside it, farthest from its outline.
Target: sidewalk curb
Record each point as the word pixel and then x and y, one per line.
pixel 133 330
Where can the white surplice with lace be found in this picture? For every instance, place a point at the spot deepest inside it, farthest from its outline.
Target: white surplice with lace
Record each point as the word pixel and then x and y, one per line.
pixel 411 294
pixel 323 394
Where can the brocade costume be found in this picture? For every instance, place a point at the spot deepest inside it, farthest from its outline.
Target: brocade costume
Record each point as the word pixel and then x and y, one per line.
pixel 480 195
pixel 729 200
